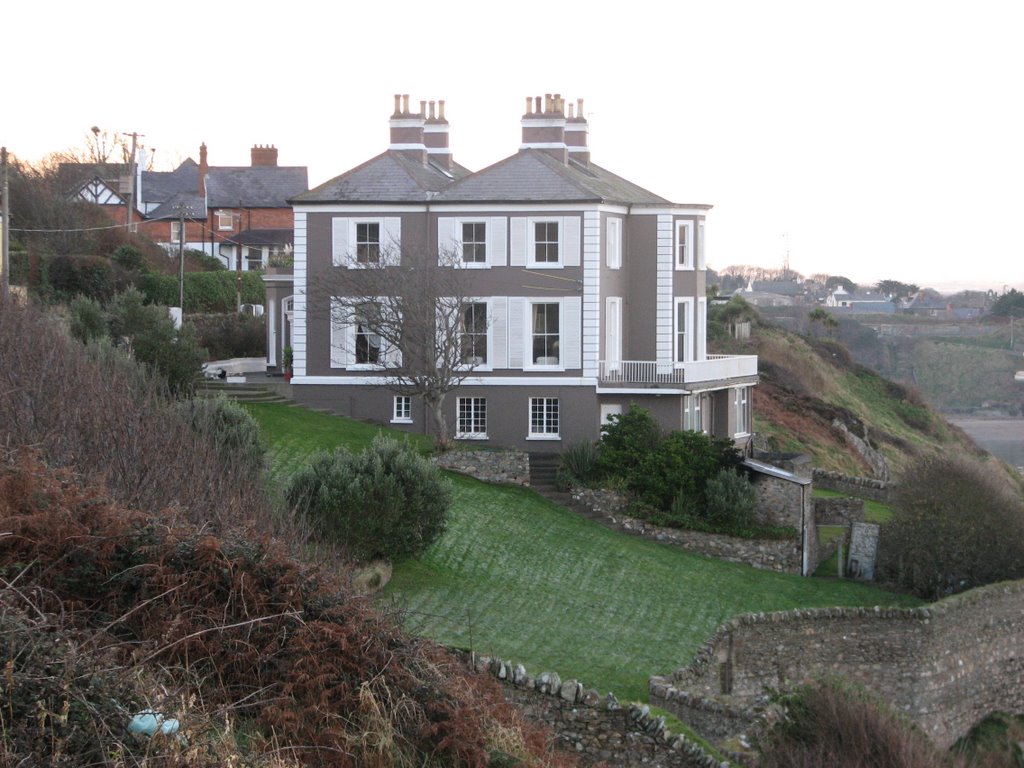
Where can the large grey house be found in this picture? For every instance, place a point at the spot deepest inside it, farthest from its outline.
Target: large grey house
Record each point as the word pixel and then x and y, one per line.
pixel 592 287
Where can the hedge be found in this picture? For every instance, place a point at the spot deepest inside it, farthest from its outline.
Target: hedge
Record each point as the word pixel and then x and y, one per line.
pixel 204 291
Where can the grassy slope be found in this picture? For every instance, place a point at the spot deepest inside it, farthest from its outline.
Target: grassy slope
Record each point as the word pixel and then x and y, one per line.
pixel 805 385
pixel 527 580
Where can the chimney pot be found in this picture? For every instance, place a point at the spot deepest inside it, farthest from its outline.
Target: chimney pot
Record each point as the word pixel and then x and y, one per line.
pixel 529 105
pixel 432 110
pixel 579 107
pixel 537 105
pixel 440 109
pixel 423 108
pixel 571 114
pixel 398 104
pixel 405 104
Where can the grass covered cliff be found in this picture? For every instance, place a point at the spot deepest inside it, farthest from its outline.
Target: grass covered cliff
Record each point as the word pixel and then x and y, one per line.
pixel 814 399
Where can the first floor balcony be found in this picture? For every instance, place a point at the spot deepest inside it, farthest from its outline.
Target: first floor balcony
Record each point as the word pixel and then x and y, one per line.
pixel 651 373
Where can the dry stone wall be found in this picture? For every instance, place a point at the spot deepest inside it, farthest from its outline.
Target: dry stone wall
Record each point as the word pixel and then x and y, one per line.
pixel 598 729
pixel 945 666
pixel 843 510
pixel 510 467
pixel 781 555
pixel 864 487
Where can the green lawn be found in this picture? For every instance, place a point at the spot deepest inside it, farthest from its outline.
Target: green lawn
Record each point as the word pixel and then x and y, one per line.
pixel 521 578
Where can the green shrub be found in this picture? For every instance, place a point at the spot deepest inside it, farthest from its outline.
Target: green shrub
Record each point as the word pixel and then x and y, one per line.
pixel 956 525
pixel 131 258
pixel 387 501
pixel 91 276
pixel 230 427
pixel 579 462
pixel 730 500
pixel 230 334
pixel 204 291
pixel 147 333
pixel 626 440
pixel 203 261
pixel 681 463
pixel 88 321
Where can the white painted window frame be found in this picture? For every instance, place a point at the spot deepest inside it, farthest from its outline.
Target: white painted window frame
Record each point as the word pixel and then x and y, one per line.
pixel 221 216
pixel 742 411
pixel 473 402
pixel 486 263
pixel 684 236
pixel 531 242
pixel 528 362
pixel 702 262
pixel 613 246
pixel 402 410
pixel 684 304
pixel 531 435
pixel 489 309
pixel 176 232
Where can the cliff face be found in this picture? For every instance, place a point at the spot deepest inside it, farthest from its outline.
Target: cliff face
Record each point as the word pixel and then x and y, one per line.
pixel 814 399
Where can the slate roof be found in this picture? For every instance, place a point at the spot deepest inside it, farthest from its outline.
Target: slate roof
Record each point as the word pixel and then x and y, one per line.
pixel 527 176
pixel 532 175
pixel 162 186
pixel 195 207
pixel 390 177
pixel 262 186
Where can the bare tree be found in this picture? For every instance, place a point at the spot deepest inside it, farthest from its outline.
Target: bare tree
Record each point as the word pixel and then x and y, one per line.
pixel 411 317
pixel 99 147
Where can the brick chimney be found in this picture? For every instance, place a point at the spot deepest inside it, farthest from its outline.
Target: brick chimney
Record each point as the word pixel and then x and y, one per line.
pixel 435 136
pixel 204 168
pixel 544 127
pixel 576 130
pixel 407 129
pixel 264 156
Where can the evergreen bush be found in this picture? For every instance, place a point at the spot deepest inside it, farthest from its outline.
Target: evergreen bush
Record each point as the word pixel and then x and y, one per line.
pixel 230 334
pixel 88 321
pixel 204 291
pixel 228 426
pixel 626 440
pixel 580 463
pixel 387 501
pixel 730 501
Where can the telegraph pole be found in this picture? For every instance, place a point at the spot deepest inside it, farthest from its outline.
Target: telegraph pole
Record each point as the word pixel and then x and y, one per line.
pixel 5 227
pixel 181 259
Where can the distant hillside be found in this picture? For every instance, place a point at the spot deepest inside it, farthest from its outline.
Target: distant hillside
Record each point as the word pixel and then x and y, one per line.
pixel 813 398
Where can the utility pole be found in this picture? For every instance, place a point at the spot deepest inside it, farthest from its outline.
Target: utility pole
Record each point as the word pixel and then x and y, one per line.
pixel 131 179
pixel 5 227
pixel 181 258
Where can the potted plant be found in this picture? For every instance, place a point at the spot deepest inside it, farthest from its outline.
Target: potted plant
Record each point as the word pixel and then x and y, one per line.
pixel 287 363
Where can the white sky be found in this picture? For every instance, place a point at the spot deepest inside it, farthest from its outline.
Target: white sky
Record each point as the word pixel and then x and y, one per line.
pixel 869 139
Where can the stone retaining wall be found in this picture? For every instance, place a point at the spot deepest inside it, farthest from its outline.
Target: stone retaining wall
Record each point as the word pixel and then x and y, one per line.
pixel 844 510
pixel 510 467
pixel 945 666
pixel 783 555
pixel 864 487
pixel 598 729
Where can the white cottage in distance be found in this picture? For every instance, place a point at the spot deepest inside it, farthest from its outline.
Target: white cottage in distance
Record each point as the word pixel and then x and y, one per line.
pixel 593 288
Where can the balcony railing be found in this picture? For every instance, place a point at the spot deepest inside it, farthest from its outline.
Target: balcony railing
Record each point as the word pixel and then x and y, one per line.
pixel 649 373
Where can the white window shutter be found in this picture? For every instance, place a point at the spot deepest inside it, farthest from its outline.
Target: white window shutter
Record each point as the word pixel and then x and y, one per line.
pixel 702 328
pixel 572 339
pixel 571 241
pixel 516 331
pixel 497 241
pixel 499 332
pixel 340 332
pixel 391 241
pixel 520 241
pixel 447 246
pixel 701 247
pixel 340 254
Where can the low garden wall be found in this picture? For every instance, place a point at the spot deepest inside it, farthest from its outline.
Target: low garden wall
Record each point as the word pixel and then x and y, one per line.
pixel 511 467
pixel 598 729
pixel 769 554
pixel 946 665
